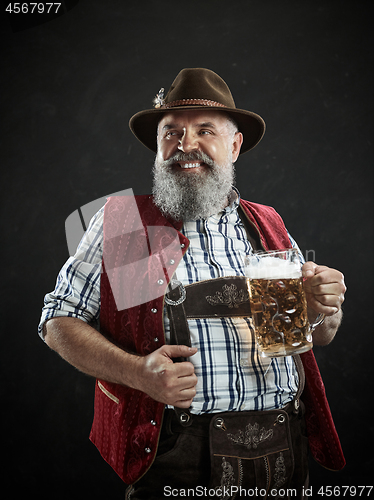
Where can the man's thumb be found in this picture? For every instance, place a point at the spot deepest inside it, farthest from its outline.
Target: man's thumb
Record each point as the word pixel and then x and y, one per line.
pixel 180 351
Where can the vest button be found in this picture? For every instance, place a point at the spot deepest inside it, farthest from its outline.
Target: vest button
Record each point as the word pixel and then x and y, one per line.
pixel 155 339
pixel 153 310
pixel 160 282
pixel 147 450
pixel 172 261
pixel 182 245
pixel 153 422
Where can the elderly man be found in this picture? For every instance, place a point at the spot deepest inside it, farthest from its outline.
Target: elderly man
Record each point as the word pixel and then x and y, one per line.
pixel 156 419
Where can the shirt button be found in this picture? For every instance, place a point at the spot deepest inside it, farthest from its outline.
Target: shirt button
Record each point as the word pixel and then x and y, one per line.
pixel 160 282
pixel 244 362
pixel 242 407
pixel 153 310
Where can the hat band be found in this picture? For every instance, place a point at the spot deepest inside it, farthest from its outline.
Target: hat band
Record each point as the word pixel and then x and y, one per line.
pixel 192 102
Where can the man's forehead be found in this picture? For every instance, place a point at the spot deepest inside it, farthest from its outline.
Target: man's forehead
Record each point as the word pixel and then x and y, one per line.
pixel 194 117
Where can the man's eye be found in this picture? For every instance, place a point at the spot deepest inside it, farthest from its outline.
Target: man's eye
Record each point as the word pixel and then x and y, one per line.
pixel 205 132
pixel 171 133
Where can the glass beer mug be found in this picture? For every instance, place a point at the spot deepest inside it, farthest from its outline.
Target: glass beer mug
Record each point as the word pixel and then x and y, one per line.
pixel 278 303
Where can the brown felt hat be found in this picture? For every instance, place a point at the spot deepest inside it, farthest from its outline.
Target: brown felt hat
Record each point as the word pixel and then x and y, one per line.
pixel 197 88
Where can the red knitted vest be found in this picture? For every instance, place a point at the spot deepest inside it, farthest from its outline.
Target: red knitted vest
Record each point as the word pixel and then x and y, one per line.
pixel 142 249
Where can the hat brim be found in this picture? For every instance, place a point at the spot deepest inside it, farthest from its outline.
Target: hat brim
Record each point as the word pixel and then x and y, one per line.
pixel 144 124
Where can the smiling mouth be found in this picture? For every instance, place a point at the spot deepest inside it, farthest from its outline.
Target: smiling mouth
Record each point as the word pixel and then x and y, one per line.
pixel 191 165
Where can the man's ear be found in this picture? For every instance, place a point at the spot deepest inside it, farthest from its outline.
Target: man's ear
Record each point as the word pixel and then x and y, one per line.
pixel 236 145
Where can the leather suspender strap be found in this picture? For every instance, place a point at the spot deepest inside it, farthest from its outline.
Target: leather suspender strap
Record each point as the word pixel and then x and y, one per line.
pixel 179 330
pixel 179 335
pixel 301 373
pixel 252 234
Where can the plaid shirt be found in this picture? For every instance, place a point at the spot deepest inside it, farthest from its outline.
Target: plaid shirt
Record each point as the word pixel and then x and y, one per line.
pixel 231 374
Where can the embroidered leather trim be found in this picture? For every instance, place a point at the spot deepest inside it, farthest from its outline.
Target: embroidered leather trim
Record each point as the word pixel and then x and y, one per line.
pixel 193 102
pixel 107 393
pixel 280 471
pixel 230 297
pixel 227 480
pixel 252 436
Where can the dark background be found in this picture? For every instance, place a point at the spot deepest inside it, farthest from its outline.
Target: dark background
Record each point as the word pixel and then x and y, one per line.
pixel 68 88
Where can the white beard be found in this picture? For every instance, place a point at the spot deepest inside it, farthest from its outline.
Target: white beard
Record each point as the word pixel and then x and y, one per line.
pixel 192 195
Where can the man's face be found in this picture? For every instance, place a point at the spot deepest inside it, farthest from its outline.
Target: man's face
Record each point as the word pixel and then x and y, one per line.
pixel 209 132
pixel 193 170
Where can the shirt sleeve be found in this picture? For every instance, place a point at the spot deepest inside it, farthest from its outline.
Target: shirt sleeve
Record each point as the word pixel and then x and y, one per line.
pixel 77 290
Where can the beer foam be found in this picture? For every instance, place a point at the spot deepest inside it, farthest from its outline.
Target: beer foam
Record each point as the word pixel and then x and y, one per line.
pixel 272 268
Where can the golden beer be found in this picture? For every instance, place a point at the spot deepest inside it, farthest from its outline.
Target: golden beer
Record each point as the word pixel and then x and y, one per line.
pixel 278 303
pixel 280 318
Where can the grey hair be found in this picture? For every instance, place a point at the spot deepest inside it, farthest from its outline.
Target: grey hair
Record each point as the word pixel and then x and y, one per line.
pixel 232 125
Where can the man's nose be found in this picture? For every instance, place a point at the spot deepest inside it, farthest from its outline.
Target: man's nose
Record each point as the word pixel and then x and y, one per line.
pixel 188 141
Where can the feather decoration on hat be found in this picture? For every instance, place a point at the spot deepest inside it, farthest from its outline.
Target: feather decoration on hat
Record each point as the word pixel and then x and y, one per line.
pixel 159 100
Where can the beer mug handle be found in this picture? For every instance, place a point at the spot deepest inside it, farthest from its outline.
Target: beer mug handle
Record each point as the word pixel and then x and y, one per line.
pixel 319 320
